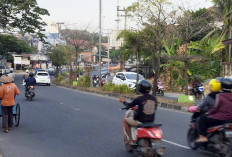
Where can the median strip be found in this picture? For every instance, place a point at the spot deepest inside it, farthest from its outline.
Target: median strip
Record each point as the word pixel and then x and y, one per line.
pixel 162 102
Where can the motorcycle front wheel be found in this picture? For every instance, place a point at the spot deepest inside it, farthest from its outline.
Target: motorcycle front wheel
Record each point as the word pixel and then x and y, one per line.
pixel 162 93
pixel 191 137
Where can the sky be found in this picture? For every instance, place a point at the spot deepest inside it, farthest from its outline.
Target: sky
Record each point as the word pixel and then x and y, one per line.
pixel 82 13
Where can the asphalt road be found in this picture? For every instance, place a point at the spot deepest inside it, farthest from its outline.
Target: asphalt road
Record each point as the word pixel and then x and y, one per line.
pixel 66 123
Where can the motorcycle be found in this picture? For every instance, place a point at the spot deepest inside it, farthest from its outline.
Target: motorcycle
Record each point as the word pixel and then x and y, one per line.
pixel 147 138
pixel 160 89
pixel 30 93
pixel 95 82
pixel 219 137
pixel 199 91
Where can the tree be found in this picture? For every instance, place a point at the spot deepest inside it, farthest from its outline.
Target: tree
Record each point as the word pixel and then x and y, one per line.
pixel 58 57
pixel 224 9
pixel 187 27
pixel 151 15
pixel 132 46
pixel 10 44
pixel 24 15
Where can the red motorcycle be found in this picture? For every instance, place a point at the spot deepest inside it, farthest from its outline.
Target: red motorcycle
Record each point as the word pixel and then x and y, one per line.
pixel 220 137
pixel 147 138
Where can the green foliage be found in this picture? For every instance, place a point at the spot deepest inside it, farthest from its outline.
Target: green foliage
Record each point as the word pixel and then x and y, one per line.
pixel 84 81
pixel 58 56
pixel 24 15
pixel 205 70
pixel 9 43
pixel 59 78
pixel 121 89
pixel 208 45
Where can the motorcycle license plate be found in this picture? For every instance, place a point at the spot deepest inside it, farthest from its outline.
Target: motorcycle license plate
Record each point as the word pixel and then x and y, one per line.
pixel 228 133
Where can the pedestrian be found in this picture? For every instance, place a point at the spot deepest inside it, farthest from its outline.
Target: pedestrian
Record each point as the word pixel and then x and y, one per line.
pixel 36 70
pixel 7 95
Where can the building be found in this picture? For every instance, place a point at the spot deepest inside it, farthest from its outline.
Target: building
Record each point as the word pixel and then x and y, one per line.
pixel 21 61
pixel 114 43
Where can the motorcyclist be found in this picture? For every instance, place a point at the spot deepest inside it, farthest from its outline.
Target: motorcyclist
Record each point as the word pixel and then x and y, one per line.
pixel 145 112
pixel 94 77
pixel 30 81
pixel 195 83
pixel 220 113
pixel 209 101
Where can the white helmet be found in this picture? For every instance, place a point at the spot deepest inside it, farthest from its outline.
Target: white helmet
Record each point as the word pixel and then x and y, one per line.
pixel 27 71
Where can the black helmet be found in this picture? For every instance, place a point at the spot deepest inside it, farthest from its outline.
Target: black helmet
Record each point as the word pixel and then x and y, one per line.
pixel 144 86
pixel 30 74
pixel 226 84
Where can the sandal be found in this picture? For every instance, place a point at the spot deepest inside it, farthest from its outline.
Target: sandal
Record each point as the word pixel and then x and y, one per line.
pixel 201 140
pixel 5 130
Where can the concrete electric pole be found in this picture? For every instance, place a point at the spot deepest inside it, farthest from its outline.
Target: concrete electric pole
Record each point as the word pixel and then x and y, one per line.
pixel 99 46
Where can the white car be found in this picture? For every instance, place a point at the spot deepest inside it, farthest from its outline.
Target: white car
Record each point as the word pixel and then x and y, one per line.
pixel 43 78
pixel 127 78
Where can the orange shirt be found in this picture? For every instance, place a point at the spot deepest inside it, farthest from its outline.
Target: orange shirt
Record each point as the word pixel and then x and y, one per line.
pixel 7 94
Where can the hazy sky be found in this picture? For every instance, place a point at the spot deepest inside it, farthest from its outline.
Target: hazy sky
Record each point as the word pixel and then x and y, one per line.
pixel 81 13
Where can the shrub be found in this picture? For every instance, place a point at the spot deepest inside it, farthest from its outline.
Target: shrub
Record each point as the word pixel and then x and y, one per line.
pixel 84 81
pixel 59 78
pixel 121 89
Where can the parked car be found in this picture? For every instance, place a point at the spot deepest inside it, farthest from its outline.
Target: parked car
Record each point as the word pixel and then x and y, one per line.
pixel 51 71
pixel 43 78
pixel 127 78
pixel 41 70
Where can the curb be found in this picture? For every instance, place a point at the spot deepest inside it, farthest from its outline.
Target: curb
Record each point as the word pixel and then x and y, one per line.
pixel 115 95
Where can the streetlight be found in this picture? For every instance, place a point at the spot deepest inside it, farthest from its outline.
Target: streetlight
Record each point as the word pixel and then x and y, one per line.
pixel 99 46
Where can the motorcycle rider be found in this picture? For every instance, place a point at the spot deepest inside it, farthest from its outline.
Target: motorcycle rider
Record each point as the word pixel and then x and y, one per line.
pixel 209 101
pixel 196 81
pixel 221 111
pixel 30 81
pixel 145 112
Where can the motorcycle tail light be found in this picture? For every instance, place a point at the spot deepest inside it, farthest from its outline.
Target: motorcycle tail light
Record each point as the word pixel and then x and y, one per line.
pixel 134 108
pixel 158 133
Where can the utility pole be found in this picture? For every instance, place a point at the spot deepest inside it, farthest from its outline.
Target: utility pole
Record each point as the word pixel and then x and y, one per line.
pixel 59 27
pixel 99 46
pixel 125 15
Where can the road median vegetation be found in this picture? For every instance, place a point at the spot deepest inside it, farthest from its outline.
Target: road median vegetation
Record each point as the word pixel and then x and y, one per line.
pixel 117 91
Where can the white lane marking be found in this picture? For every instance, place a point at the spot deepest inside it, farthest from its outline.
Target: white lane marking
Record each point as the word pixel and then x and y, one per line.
pixel 61 103
pixel 76 109
pixel 176 144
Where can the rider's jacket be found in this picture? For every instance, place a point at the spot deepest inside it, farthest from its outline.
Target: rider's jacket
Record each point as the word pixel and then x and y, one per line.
pixel 222 109
pixel 208 102
pixel 7 94
pixel 147 104
pixel 30 81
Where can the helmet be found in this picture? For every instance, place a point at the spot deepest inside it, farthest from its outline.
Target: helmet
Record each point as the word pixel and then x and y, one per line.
pixel 196 76
pixel 215 85
pixel 30 74
pixel 27 71
pixel 144 86
pixel 226 84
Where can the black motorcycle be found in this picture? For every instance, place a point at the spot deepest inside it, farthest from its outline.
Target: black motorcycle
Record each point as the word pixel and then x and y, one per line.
pixel 219 138
pixel 198 91
pixel 30 94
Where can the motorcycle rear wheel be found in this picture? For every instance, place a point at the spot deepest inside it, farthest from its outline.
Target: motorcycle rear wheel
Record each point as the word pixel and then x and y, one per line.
pixel 191 137
pixel 145 144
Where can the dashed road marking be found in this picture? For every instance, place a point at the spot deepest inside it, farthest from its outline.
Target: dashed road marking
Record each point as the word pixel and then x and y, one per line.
pixel 76 109
pixel 176 144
